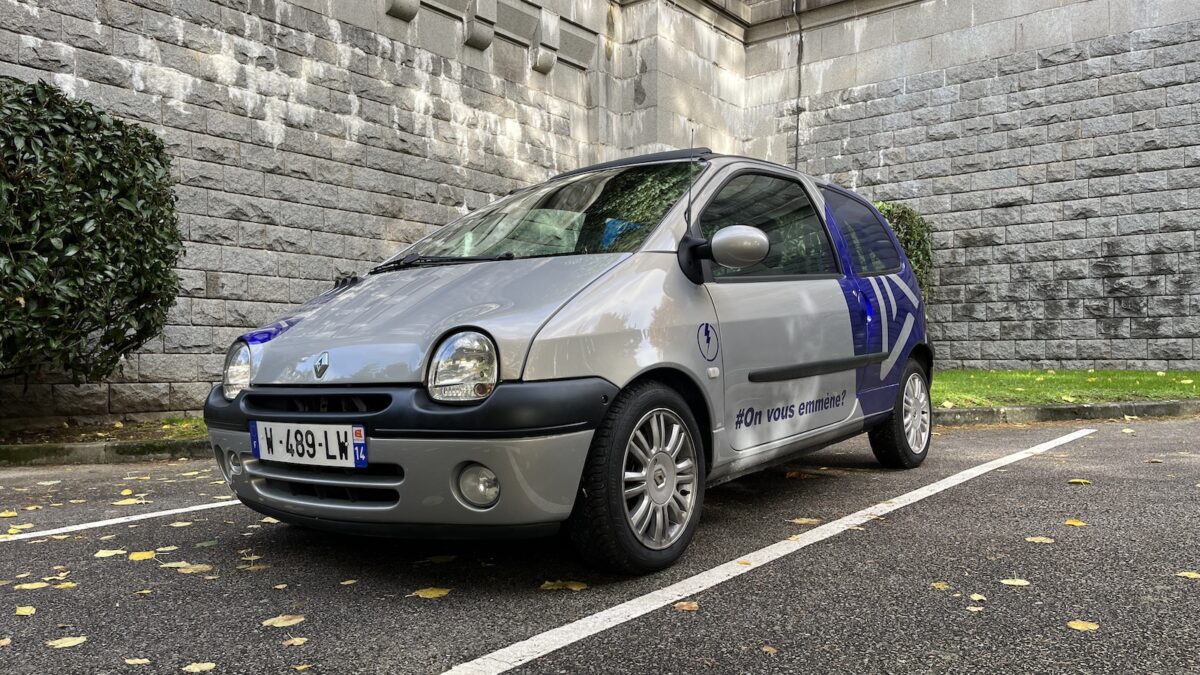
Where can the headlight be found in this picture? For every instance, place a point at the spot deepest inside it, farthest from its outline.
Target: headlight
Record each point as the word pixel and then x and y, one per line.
pixel 237 370
pixel 463 368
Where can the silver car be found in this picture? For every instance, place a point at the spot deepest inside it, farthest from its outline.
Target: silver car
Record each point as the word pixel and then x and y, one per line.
pixel 590 352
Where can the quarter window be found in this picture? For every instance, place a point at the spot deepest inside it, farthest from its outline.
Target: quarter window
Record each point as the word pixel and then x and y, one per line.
pixel 871 249
pixel 782 210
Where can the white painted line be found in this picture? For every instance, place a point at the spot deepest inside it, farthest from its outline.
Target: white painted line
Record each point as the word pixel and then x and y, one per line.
pixel 539 645
pixel 116 521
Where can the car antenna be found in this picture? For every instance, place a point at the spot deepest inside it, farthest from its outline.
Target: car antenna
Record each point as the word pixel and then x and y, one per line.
pixel 692 146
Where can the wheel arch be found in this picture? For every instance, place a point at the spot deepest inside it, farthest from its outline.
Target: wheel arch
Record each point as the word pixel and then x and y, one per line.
pixel 923 354
pixel 693 395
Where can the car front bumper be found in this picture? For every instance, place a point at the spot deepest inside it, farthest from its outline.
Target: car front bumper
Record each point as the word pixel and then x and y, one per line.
pixel 533 436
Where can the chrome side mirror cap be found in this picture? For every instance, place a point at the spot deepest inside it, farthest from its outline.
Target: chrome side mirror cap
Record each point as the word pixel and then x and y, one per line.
pixel 739 246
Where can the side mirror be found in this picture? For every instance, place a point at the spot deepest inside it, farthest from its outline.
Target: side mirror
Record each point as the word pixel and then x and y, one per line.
pixel 739 246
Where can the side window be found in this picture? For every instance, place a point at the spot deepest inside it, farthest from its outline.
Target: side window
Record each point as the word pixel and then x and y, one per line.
pixel 781 209
pixel 871 249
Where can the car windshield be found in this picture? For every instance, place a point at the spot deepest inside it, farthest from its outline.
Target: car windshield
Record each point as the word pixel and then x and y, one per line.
pixel 605 211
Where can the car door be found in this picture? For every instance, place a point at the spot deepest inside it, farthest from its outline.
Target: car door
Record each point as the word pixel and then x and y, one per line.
pixel 887 294
pixel 785 330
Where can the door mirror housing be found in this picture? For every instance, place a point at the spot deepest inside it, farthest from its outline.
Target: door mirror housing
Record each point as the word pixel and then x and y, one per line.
pixel 739 246
pixel 736 246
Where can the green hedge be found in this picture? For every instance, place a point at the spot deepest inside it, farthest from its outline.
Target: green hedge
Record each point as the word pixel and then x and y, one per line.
pixel 89 232
pixel 915 236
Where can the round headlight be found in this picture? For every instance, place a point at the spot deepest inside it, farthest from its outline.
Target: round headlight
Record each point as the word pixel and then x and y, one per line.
pixel 463 369
pixel 237 370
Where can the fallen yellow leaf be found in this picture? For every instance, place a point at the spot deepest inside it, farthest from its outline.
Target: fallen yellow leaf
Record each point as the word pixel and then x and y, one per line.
pixel 25 610
pixel 137 662
pixel 687 606
pixel 141 555
pixel 1078 624
pixel 978 597
pixel 1073 522
pixel 8 514
pixel 1127 431
pixel 745 562
pixel 108 552
pixel 284 620
pixel 1039 540
pixel 166 549
pixel 1068 399
pixel 1185 381
pixel 302 666
pixel 349 582
pixel 770 650
pixel 1079 481
pixel 1188 575
pixel 1154 461
pixel 279 587
pixel 940 585
pixel 64 642
pixel 1014 582
pixel 65 585
pixel 126 492
pixel 33 585
pixel 199 667
pixel 180 523
pixel 563 585
pixel 194 569
pixel 130 501
pixel 430 593
pixel 268 519
pixel 974 608
pixel 144 591
pixel 294 642
pixel 805 521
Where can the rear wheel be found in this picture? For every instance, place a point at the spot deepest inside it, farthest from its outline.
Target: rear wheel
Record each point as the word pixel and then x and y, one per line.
pixel 643 484
pixel 902 441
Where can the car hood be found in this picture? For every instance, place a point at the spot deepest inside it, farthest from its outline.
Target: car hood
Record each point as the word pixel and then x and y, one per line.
pixel 382 329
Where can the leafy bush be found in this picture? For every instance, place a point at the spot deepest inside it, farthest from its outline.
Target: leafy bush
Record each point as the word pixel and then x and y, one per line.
pixel 914 235
pixel 89 234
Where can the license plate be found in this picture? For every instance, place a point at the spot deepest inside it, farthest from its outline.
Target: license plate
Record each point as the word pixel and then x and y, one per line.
pixel 312 444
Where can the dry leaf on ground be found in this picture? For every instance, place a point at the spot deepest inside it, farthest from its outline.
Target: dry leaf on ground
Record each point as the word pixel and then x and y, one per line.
pixel 940 585
pixel 1078 624
pixel 1079 481
pixel 978 597
pixel 770 650
pixel 141 555
pixel 1014 582
pixel 294 642
pixel 284 620
pixel 130 501
pixel 563 585
pixel 429 593
pixel 199 667
pixel 31 586
pixel 137 662
pixel 108 552
pixel 687 606
pixel 1039 540
pixel 64 642
pixel 25 610
pixel 1188 575
pixel 1074 522
pixel 805 521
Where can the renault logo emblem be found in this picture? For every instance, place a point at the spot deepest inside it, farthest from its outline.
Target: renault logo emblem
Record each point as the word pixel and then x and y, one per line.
pixel 321 365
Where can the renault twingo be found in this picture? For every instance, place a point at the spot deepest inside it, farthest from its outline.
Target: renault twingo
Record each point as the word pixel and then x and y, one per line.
pixel 589 352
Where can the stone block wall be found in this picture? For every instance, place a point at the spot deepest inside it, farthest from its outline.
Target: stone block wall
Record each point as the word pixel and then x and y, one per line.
pixel 1055 148
pixel 1053 144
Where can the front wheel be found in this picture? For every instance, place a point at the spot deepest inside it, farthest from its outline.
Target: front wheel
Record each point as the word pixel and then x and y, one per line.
pixel 642 489
pixel 902 441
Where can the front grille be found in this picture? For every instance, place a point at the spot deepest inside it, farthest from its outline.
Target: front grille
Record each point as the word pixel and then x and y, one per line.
pixel 333 493
pixel 377 485
pixel 317 403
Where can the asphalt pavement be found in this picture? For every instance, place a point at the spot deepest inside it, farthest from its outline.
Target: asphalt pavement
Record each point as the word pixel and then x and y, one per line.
pixel 891 595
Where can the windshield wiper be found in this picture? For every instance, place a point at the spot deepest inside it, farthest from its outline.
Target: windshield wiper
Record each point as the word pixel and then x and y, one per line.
pixel 415 260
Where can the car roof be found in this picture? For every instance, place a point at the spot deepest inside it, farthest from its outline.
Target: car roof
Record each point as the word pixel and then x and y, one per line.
pixel 686 154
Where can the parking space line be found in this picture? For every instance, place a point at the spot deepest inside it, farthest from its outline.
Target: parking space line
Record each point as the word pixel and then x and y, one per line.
pixel 116 521
pixel 516 654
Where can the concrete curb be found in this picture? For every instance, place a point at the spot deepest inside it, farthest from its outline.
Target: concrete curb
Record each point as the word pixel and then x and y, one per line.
pixel 101 452
pixel 116 452
pixel 1061 413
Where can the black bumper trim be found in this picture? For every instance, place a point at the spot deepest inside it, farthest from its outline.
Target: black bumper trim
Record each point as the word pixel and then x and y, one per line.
pixel 514 410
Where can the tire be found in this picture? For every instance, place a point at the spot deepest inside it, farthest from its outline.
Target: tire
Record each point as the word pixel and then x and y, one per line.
pixel 602 525
pixel 892 444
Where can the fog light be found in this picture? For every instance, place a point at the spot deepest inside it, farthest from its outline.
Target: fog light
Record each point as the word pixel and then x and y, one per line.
pixel 235 462
pixel 478 485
